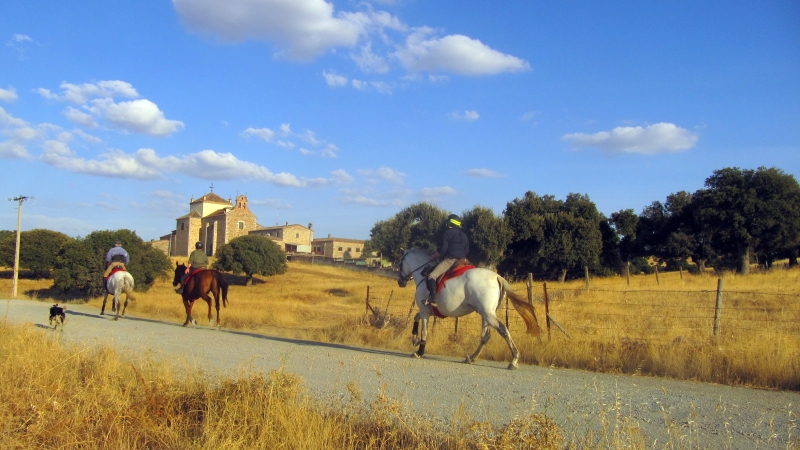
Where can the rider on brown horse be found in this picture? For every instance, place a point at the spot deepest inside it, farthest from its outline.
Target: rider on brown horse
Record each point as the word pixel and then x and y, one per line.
pixel 197 260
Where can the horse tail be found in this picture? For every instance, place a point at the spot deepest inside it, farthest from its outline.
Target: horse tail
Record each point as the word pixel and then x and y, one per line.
pixel 224 285
pixel 521 305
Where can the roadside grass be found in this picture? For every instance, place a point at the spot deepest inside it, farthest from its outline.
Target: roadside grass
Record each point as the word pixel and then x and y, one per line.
pixel 95 398
pixel 659 329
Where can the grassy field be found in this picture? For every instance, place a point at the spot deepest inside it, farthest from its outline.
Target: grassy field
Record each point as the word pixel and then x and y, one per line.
pixel 662 328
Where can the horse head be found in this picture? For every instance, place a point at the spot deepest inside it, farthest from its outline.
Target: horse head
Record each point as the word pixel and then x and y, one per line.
pixel 413 260
pixel 180 269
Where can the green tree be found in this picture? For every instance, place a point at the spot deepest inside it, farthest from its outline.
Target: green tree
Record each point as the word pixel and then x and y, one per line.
pixel 38 250
pixel 746 211
pixel 489 235
pixel 625 223
pixel 419 225
pixel 251 255
pixel 551 237
pixel 81 263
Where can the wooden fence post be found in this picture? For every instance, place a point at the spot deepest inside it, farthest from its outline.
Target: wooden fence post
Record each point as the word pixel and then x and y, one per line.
pixel 628 273
pixel 546 310
pixel 455 332
pixel 681 269
pixel 586 275
pixel 530 288
pixel 507 313
pixel 718 307
pixel 657 280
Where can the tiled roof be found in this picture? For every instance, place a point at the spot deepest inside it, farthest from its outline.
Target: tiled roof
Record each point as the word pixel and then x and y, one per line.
pixel 211 198
pixel 193 215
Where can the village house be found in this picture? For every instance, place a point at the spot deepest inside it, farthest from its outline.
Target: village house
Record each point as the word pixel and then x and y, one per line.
pixel 337 248
pixel 293 238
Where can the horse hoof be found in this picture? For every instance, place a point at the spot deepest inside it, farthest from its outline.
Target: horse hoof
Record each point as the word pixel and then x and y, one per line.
pixel 116 318
pixel 469 360
pixel 102 313
pixel 512 366
pixel 415 342
pixel 415 355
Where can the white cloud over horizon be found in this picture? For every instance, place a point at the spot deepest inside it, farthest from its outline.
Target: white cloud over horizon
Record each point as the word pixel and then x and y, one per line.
pixel 432 193
pixel 654 139
pixel 324 149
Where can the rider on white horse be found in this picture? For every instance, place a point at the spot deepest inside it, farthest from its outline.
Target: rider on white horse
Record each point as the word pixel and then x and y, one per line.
pixel 116 257
pixel 454 247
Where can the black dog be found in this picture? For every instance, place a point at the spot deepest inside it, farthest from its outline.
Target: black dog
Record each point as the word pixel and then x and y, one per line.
pixel 58 314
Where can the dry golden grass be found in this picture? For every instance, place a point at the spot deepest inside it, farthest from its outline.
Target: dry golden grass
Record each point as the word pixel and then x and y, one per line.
pixel 94 398
pixel 646 328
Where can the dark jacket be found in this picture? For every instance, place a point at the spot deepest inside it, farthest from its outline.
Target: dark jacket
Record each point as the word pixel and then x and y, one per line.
pixel 456 244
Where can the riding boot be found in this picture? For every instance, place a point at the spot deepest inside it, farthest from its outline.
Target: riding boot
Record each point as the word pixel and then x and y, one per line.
pixel 431 292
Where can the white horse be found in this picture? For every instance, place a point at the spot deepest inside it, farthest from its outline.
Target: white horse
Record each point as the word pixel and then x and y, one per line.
pixel 119 283
pixel 479 290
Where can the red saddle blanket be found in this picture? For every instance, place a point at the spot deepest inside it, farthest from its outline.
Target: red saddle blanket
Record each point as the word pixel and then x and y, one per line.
pixel 115 270
pixel 193 273
pixel 451 274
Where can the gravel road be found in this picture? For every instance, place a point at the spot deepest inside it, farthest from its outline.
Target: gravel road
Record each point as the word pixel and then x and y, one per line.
pixel 703 415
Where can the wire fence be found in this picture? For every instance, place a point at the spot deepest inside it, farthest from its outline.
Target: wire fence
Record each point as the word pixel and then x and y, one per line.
pixel 606 313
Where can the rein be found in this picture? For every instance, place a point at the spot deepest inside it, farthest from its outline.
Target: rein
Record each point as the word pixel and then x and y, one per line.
pixel 408 277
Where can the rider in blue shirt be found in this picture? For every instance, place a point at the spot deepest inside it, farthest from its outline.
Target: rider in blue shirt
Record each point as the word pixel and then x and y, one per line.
pixel 116 257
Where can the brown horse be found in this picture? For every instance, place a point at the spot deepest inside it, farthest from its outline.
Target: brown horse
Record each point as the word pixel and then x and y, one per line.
pixel 198 286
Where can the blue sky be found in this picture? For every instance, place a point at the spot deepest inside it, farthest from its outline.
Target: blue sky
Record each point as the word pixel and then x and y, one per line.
pixel 340 113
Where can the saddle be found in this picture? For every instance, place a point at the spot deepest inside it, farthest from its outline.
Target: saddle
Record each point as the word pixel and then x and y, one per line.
pixel 459 267
pixel 193 273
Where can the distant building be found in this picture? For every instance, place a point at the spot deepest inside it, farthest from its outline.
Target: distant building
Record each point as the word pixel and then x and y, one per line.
pixel 213 221
pixel 293 238
pixel 338 248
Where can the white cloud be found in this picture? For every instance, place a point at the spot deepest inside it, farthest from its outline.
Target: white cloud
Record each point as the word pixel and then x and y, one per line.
pixel 80 94
pixel 21 38
pixel 657 138
pixel 436 192
pixel 334 80
pixel 454 53
pixel 384 173
pixel 359 84
pixel 79 117
pixel 302 29
pixel 285 144
pixel 529 116
pixel 87 137
pixel 9 120
pixel 262 133
pixel 8 95
pixel 484 173
pixel 115 163
pixel 368 61
pixel 340 176
pixel 12 149
pixel 141 116
pixel 468 116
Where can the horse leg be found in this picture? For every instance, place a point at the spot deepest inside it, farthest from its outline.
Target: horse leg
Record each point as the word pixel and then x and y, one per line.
pixel 187 304
pixel 116 302
pixel 103 308
pixel 423 338
pixel 503 330
pixel 415 332
pixel 485 335
pixel 210 317
pixel 216 304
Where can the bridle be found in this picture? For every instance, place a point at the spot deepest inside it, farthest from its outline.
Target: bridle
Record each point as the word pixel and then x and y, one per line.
pixel 405 277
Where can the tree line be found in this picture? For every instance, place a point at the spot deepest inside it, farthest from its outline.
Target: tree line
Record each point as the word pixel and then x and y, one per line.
pixel 739 217
pixel 77 264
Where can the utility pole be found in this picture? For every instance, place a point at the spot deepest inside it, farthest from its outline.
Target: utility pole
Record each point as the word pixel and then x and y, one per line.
pixel 19 200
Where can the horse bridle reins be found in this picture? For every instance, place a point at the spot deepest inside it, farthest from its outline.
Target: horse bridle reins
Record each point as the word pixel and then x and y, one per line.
pixel 405 278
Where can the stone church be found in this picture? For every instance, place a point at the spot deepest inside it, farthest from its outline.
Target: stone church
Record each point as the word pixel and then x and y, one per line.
pixel 213 221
